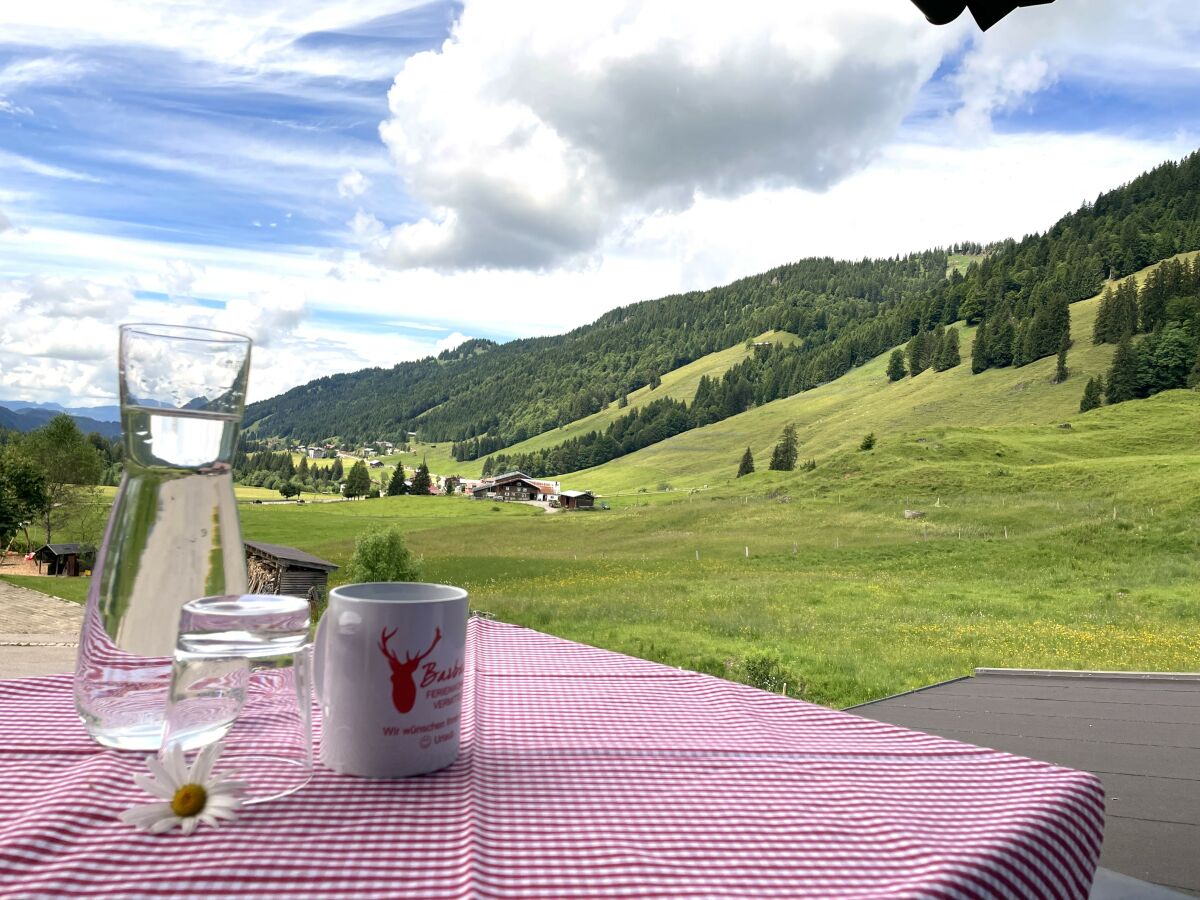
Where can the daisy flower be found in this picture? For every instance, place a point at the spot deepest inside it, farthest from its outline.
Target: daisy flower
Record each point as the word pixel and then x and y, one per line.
pixel 186 797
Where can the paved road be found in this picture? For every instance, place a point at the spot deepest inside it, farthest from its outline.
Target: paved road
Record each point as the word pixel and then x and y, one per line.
pixel 38 634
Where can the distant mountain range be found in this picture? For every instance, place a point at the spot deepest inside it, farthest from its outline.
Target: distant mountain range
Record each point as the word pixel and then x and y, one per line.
pixel 99 413
pixel 17 415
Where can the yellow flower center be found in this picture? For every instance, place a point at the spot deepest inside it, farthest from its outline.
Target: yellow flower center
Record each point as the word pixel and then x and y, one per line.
pixel 189 800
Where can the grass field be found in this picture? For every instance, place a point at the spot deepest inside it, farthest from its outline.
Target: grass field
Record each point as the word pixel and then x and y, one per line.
pixel 1040 546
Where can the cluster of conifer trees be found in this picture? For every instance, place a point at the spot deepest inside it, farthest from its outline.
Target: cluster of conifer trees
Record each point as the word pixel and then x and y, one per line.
pixel 937 350
pixel 1166 310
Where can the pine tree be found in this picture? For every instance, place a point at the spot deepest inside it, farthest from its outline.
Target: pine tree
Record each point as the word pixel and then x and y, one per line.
pixel 487 468
pixel 783 459
pixel 1123 379
pixel 917 356
pixel 1103 326
pixel 396 486
pixel 950 356
pixel 979 350
pixel 895 369
pixel 868 442
pixel 1125 312
pixel 358 482
pixel 421 482
pixel 302 469
pixel 1091 396
pixel 337 473
pixel 746 466
pixel 1060 371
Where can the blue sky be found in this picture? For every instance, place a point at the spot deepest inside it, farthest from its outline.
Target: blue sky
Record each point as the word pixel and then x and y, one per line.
pixel 359 183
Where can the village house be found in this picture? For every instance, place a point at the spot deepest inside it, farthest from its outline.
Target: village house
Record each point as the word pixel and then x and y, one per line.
pixel 510 486
pixel 316 452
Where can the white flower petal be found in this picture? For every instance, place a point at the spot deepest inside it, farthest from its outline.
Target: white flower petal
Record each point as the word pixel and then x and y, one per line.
pixel 159 771
pixel 203 764
pixel 145 814
pixel 150 785
pixel 164 824
pixel 210 820
pixel 227 815
pixel 223 803
pixel 189 824
pixel 176 766
pixel 222 787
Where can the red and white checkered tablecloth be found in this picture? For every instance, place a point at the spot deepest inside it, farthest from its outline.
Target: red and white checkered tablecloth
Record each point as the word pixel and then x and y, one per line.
pixel 583 774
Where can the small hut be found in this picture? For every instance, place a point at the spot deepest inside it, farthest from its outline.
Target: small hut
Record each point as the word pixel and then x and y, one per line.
pixel 275 569
pixel 577 500
pixel 64 559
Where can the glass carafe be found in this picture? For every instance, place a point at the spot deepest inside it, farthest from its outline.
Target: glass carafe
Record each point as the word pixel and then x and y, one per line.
pixel 173 531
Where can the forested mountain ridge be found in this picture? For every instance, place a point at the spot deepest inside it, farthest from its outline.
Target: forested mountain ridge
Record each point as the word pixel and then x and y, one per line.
pixel 844 313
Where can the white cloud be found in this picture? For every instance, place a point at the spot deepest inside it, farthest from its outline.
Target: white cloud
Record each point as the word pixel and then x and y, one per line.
pixel 353 184
pixel 219 31
pixel 536 131
pixel 180 278
pixel 1106 40
pixel 25 164
pixel 450 341
pixel 5 223
pixel 12 109
pixel 40 70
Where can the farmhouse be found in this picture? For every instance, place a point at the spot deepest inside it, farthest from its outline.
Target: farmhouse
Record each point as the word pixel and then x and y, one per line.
pixel 318 453
pixel 510 486
pixel 275 569
pixel 577 500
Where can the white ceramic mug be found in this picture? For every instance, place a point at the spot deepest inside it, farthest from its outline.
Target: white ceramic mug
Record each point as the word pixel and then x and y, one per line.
pixel 389 677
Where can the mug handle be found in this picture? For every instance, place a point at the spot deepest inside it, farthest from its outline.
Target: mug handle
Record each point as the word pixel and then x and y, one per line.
pixel 319 656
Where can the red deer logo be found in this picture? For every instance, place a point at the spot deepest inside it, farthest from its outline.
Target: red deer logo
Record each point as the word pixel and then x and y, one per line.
pixel 404 688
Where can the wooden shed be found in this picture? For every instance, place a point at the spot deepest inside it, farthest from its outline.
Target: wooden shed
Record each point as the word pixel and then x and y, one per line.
pixel 275 569
pixel 61 559
pixel 577 500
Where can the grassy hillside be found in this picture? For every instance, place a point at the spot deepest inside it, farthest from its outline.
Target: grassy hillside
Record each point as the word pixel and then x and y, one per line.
pixel 679 384
pixel 836 416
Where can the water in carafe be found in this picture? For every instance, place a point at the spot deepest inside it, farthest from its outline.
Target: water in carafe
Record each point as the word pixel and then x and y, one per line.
pixel 173 532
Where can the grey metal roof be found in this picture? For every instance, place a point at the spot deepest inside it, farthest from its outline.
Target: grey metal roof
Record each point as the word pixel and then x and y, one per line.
pixel 291 555
pixel 1139 732
pixel 60 549
pixel 576 494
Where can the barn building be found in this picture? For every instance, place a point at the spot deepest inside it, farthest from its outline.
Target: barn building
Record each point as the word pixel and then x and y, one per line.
pixel 577 500
pixel 275 569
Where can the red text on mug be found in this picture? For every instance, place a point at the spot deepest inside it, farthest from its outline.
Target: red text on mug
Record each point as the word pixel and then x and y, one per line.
pixel 404 688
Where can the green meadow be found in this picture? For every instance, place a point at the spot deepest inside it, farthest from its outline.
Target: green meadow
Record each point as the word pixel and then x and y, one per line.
pixel 1040 546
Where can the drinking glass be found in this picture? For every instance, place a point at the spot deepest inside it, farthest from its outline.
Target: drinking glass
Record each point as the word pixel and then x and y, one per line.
pixel 242 674
pixel 173 531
